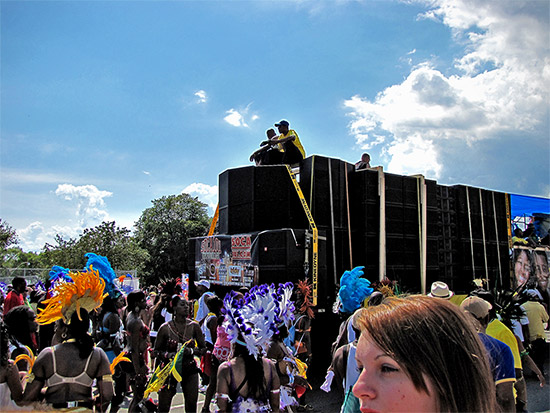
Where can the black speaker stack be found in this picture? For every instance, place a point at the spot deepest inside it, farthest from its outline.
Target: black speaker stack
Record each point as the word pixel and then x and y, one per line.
pixel 466 229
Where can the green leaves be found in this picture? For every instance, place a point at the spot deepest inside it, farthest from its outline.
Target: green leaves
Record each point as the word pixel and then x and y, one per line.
pixel 163 231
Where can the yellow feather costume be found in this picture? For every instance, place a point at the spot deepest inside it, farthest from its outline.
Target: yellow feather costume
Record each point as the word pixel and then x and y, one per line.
pixel 86 291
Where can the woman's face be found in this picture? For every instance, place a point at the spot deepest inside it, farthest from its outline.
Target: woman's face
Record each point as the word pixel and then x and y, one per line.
pixel 384 386
pixel 182 308
pixel 541 271
pixel 120 302
pixel 33 324
pixel 522 267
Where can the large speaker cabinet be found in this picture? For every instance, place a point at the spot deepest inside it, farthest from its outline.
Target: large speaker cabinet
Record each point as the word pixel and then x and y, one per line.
pixel 258 198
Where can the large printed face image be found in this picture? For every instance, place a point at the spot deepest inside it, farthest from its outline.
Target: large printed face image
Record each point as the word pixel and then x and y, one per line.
pixel 522 266
pixel 540 259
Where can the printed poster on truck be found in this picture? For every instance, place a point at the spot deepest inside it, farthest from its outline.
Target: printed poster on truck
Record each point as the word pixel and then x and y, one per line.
pixel 228 260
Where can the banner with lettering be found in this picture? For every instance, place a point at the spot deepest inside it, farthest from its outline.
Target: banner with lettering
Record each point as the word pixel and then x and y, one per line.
pixel 227 259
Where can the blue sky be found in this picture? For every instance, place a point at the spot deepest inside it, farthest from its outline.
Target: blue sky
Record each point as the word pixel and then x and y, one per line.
pixel 107 105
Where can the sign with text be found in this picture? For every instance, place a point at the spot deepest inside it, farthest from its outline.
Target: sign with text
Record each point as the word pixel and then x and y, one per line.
pixel 227 260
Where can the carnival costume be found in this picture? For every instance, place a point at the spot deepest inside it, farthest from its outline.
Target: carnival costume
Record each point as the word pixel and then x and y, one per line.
pixel 84 291
pixel 251 322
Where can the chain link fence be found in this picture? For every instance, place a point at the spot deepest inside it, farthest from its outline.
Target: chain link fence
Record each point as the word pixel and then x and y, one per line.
pixel 33 275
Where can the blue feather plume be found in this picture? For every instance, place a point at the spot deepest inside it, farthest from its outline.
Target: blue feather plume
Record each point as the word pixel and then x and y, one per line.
pixel 353 290
pixel 102 265
pixel 59 274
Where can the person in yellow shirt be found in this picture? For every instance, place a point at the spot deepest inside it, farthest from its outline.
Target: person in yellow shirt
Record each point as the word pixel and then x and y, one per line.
pixel 289 144
pixel 538 317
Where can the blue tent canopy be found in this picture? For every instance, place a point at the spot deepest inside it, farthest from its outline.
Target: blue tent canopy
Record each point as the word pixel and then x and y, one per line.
pixel 528 205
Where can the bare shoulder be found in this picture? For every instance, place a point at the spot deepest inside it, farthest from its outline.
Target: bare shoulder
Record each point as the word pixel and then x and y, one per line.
pixel 163 328
pixel 275 352
pixel 100 354
pixel 224 368
pixel 44 355
pixel 269 363
pixel 195 326
pixel 339 352
pixel 134 324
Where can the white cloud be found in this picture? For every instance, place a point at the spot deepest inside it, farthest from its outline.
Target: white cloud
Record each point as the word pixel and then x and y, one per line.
pixel 31 237
pixel 234 118
pixel 89 201
pixel 146 172
pixel 238 117
pixel 201 96
pixel 206 193
pixel 406 154
pixel 500 85
pixel 35 236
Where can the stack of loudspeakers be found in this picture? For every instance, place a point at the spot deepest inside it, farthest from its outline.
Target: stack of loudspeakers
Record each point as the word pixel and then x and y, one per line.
pixel 466 231
pixel 263 199
pixel 324 184
pixel 481 235
pixel 346 204
pixel 365 218
pixel 402 231
pixel 433 270
pixel 402 224
pixel 258 198
pixel 448 253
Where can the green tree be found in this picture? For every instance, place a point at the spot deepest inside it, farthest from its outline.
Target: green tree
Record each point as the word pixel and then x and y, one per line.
pixel 8 237
pixel 164 229
pixel 17 258
pixel 63 253
pixel 115 243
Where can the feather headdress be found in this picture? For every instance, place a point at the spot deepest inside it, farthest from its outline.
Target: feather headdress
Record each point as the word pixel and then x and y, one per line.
pixel 170 287
pixel 102 265
pixel 252 320
pixel 3 288
pixel 59 274
pixel 353 290
pixel 306 304
pixel 86 291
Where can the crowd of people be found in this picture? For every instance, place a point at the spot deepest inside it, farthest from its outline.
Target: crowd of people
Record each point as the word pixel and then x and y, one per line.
pixel 80 342
pixel 83 343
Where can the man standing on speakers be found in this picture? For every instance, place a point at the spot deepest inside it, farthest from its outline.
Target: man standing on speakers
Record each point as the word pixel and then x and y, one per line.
pixel 286 148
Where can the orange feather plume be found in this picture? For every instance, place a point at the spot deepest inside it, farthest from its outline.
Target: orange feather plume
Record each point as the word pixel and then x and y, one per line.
pixel 86 291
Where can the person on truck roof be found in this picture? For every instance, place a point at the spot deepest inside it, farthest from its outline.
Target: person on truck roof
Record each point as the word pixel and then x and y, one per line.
pixel 286 148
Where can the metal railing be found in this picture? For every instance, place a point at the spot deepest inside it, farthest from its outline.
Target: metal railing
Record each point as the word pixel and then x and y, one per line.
pixel 32 275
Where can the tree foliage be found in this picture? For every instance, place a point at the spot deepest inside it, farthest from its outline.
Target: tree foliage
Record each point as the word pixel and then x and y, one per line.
pixel 164 229
pixel 8 237
pixel 115 243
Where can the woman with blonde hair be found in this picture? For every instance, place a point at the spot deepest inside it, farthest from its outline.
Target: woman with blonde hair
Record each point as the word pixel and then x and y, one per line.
pixel 421 354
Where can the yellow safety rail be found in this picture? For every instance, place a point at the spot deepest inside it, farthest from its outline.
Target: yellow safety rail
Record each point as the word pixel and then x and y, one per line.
pixel 214 221
pixel 315 269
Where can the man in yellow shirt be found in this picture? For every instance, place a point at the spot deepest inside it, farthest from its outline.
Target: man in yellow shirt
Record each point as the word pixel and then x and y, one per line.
pixel 538 317
pixel 289 144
